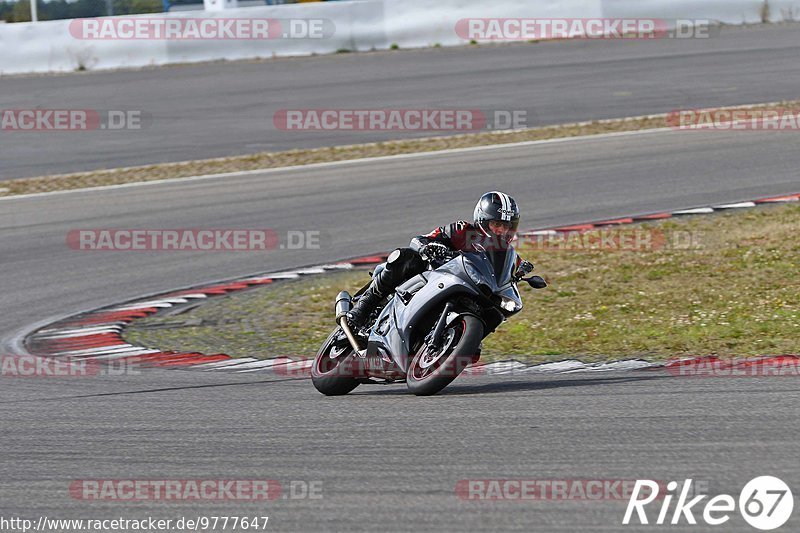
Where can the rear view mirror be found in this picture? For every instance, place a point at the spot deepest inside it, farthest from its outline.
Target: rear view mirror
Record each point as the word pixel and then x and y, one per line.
pixel 537 282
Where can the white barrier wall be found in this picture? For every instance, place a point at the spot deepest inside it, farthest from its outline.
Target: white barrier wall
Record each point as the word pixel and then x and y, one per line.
pixel 727 11
pixel 359 25
pixel 417 23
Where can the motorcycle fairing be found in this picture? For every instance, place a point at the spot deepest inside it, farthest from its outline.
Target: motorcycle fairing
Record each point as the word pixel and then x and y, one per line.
pixel 395 344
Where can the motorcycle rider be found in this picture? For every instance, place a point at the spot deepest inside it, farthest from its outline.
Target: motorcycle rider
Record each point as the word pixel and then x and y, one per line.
pixel 494 226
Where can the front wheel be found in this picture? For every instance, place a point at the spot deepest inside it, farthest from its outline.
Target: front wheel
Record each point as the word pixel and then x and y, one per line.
pixel 333 370
pixel 432 370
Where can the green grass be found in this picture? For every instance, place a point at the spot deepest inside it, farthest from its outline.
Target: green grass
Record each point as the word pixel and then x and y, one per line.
pixel 734 291
pixel 291 318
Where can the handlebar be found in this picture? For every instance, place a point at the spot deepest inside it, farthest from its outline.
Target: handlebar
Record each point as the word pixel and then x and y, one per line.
pixel 524 268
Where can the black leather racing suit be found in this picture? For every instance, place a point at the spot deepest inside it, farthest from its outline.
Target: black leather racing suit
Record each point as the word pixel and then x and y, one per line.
pixel 405 263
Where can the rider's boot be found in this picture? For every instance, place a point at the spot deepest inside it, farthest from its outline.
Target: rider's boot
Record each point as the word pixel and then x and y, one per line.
pixel 364 307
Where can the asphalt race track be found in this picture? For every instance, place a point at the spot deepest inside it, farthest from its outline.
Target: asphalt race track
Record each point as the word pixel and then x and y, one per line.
pixel 386 460
pixel 218 110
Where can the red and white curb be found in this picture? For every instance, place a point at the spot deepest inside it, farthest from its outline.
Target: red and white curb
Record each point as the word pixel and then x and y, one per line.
pixel 704 210
pixel 98 335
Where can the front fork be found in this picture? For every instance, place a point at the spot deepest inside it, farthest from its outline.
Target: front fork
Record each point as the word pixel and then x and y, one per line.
pixel 434 339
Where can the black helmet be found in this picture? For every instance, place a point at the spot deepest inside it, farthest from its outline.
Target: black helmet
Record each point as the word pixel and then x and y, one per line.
pixel 497 215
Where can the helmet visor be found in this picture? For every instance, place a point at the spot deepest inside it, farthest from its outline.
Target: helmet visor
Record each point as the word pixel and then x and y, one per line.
pixel 505 229
pixel 499 232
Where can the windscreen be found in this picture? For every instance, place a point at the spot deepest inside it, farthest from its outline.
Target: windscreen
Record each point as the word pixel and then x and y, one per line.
pixel 493 268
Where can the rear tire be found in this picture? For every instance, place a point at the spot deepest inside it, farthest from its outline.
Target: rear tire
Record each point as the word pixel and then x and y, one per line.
pixel 333 376
pixel 426 377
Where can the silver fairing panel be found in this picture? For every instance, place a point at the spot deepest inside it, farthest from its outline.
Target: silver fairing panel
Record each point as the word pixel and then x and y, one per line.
pixel 394 331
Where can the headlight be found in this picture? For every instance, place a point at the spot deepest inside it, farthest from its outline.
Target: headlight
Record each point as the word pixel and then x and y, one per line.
pixel 473 273
pixel 508 305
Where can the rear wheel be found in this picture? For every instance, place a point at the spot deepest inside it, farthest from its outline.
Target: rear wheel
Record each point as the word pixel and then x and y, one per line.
pixel 333 370
pixel 432 370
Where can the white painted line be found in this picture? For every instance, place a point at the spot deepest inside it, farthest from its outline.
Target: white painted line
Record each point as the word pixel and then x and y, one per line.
pixel 121 355
pixel 142 305
pixel 695 211
pixel 289 367
pixel 284 275
pixel 545 232
pixel 137 307
pixel 740 205
pixel 119 323
pixel 292 274
pixel 105 352
pixel 77 334
pixel 311 270
pixel 338 266
pixel 163 302
pixel 262 364
pixel 194 295
pixel 557 367
pixel 89 351
pixel 91 330
pixel 303 168
pixel 502 367
pixel 405 156
pixel 223 364
pixel 634 364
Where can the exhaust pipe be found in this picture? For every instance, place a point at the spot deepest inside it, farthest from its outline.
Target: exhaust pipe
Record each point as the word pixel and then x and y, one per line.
pixel 344 303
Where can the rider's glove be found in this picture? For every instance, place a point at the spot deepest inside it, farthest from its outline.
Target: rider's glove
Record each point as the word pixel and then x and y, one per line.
pixel 524 268
pixel 434 251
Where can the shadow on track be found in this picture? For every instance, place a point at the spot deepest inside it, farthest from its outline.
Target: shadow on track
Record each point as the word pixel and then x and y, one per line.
pixel 518 386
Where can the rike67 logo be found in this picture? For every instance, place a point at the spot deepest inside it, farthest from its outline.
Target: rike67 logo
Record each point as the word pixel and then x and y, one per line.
pixel 765 502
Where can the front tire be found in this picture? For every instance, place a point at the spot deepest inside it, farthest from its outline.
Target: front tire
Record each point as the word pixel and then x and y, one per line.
pixel 429 373
pixel 332 371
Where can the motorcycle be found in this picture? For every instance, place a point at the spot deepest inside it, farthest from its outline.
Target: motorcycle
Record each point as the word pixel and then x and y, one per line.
pixel 430 329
